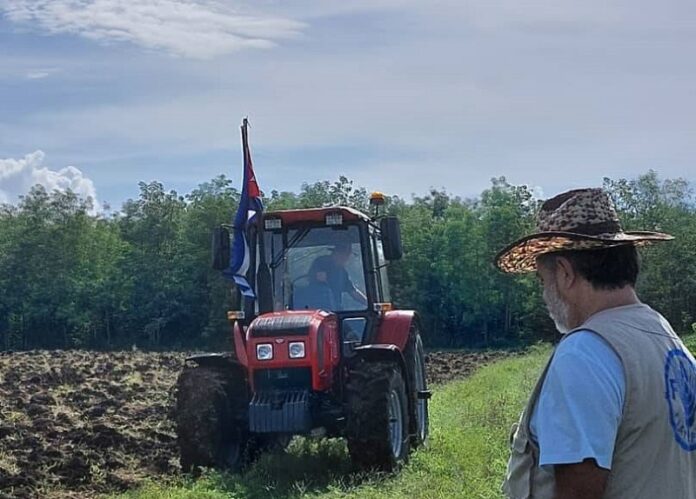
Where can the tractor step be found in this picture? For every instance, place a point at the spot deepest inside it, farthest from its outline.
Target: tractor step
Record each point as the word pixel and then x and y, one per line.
pixel 280 412
pixel 424 394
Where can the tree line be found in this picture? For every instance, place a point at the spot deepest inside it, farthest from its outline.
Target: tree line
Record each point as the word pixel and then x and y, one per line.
pixel 142 276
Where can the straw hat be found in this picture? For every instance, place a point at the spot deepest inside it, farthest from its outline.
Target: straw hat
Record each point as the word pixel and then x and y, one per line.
pixel 582 219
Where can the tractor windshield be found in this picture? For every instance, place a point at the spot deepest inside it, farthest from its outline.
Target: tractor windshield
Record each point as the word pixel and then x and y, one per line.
pixel 317 268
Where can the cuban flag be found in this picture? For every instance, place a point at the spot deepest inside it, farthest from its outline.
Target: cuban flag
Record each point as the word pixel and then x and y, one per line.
pixel 250 207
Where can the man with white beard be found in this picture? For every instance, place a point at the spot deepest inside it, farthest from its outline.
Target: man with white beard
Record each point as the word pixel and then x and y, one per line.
pixel 613 415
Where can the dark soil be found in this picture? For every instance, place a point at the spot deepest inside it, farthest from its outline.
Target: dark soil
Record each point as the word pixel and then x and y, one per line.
pixel 77 423
pixel 446 366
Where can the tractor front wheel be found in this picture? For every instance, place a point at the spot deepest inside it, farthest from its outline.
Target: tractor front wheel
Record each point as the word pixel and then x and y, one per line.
pixel 378 423
pixel 211 418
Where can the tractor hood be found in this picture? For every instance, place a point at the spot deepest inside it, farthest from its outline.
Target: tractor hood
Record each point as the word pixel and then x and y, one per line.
pixel 282 324
pixel 286 323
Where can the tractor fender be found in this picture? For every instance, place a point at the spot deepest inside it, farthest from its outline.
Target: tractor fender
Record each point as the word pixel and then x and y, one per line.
pixel 394 328
pixel 383 352
pixel 238 335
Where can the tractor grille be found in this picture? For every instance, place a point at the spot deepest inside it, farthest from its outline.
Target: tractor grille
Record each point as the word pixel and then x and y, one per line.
pixel 293 378
pixel 287 412
pixel 292 325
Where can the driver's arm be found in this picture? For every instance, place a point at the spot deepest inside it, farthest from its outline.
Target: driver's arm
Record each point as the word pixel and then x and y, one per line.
pixel 358 295
pixel 352 290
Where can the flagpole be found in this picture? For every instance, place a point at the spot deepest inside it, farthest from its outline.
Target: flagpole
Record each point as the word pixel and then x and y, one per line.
pixel 264 290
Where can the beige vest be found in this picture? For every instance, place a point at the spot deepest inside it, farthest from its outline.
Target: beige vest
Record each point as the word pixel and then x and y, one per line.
pixel 655 449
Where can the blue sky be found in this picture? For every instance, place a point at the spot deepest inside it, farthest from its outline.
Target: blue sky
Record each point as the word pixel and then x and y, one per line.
pixel 97 95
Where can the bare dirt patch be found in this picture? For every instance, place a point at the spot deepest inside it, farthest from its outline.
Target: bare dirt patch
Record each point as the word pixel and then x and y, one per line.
pixel 75 421
pixel 78 423
pixel 446 366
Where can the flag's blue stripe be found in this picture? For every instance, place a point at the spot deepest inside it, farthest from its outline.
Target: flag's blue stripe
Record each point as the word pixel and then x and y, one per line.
pixel 244 286
pixel 239 250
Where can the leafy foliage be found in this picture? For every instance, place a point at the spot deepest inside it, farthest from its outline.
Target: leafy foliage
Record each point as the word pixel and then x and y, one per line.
pixel 142 276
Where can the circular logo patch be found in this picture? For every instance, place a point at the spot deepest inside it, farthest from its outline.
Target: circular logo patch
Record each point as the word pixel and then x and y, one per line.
pixel 680 390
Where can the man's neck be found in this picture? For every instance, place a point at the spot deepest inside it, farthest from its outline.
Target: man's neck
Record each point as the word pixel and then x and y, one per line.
pixel 596 301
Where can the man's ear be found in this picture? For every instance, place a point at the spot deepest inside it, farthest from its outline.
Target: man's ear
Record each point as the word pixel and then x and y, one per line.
pixel 565 274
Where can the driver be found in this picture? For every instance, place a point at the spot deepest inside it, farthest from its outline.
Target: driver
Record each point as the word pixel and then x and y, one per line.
pixel 331 270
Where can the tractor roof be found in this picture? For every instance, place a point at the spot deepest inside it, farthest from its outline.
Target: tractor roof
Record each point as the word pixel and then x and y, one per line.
pixel 317 214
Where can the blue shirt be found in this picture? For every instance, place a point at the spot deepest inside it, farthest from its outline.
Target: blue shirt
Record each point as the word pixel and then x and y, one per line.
pixel 579 409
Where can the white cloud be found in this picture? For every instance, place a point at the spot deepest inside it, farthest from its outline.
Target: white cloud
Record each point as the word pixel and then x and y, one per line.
pixel 17 176
pixel 37 75
pixel 199 29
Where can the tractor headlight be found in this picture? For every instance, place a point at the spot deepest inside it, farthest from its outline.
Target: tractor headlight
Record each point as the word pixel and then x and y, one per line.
pixel 264 351
pixel 296 350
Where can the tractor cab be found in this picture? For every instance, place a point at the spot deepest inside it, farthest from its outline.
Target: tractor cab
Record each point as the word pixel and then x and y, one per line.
pixel 330 259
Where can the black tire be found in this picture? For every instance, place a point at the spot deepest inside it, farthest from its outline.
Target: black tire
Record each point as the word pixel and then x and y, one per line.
pixel 414 356
pixel 211 418
pixel 376 401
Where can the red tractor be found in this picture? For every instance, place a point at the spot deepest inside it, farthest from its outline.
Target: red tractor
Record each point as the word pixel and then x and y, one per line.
pixel 321 351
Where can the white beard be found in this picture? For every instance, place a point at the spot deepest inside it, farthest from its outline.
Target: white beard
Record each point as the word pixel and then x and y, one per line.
pixel 558 309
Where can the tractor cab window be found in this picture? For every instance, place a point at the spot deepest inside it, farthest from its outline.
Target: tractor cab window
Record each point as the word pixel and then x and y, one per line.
pixel 382 265
pixel 320 268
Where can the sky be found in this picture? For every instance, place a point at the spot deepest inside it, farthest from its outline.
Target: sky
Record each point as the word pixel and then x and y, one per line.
pixel 400 96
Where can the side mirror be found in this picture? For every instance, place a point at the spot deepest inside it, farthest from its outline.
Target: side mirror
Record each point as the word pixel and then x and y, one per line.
pixel 391 238
pixel 221 248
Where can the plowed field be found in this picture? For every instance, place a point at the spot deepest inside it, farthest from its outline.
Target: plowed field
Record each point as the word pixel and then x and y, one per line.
pixel 77 423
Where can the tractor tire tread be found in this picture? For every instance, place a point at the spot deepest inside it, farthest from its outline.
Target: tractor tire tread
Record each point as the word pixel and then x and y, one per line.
pixel 368 415
pixel 208 398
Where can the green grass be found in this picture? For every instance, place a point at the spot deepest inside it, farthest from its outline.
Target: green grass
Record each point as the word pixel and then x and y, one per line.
pixel 470 421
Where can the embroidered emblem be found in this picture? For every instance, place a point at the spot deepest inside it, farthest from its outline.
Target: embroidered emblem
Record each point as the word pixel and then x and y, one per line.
pixel 680 390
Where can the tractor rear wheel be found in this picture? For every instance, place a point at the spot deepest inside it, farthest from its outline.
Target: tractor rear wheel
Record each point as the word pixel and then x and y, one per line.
pixel 211 412
pixel 378 422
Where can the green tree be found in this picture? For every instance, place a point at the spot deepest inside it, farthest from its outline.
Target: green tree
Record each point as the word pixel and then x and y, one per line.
pixel 69 278
pixel 157 310
pixel 668 275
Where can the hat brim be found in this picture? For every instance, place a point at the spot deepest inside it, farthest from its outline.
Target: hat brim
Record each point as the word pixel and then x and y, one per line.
pixel 520 256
